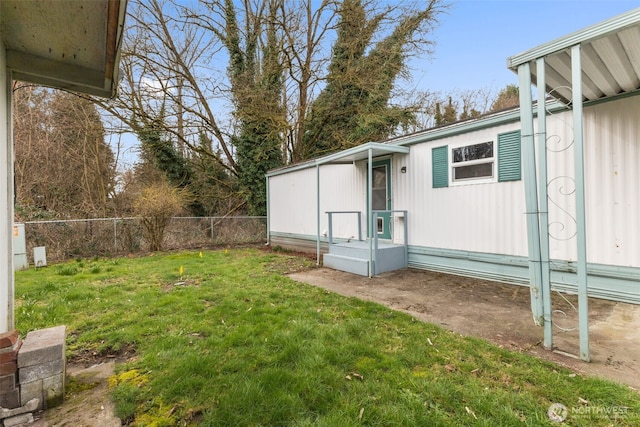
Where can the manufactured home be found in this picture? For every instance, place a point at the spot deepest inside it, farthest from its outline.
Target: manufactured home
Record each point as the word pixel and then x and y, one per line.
pixel 546 195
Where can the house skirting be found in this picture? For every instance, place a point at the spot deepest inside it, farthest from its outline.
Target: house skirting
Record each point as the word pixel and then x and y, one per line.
pixel 605 281
pixel 609 282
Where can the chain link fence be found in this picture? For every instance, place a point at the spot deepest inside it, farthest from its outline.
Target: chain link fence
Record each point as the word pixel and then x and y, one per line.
pixel 110 237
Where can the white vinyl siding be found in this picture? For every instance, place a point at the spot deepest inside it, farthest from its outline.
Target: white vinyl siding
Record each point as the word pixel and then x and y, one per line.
pixel 462 217
pixel 293 202
pixel 491 217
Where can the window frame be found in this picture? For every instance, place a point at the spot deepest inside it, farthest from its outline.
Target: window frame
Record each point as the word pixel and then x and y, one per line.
pixel 479 180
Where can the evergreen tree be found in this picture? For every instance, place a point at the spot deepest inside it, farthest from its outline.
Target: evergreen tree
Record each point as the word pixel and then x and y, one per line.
pixel 508 97
pixel 450 114
pixel 161 153
pixel 354 106
pixel 257 88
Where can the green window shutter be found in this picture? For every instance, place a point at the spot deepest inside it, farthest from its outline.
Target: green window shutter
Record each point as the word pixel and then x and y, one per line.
pixel 509 157
pixel 440 167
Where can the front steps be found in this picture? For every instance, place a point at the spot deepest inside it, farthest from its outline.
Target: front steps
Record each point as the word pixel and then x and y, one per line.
pixel 353 257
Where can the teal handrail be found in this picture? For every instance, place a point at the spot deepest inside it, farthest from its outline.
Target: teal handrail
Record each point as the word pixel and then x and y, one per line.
pixel 359 216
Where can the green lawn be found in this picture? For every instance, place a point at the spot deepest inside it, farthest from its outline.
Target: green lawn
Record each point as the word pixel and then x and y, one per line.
pixel 223 338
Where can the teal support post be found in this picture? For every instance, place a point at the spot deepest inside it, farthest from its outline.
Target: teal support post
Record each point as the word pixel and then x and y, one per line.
pixel 581 231
pixel 406 238
pixel 370 209
pixel 544 206
pixel 531 192
pixel 318 214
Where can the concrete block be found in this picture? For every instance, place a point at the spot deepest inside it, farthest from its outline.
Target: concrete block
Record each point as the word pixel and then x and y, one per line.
pixel 7 382
pixel 38 372
pixel 30 406
pixel 10 399
pixel 8 339
pixel 33 390
pixel 42 346
pixel 53 390
pixel 19 420
pixel 8 368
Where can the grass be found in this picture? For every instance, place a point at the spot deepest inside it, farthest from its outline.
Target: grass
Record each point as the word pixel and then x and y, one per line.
pixel 223 338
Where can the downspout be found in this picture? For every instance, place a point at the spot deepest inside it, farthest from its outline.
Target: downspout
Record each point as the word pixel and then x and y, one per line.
pixel 317 214
pixel 531 193
pixel 544 206
pixel 581 232
pixel 370 209
pixel 7 200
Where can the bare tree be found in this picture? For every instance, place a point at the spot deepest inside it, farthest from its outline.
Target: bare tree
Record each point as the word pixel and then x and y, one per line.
pixel 277 55
pixel 169 78
pixel 468 104
pixel 63 165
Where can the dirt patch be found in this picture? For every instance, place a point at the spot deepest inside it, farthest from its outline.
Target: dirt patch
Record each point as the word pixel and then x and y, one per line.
pixel 87 402
pixel 502 314
pixel 88 358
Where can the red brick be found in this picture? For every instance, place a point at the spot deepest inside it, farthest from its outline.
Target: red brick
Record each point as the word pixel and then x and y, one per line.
pixel 11 355
pixel 8 368
pixel 8 339
pixel 10 399
pixel 7 382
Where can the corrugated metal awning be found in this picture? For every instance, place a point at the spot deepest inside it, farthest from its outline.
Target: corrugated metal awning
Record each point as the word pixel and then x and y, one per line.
pixel 348 156
pixel 610 54
pixel 361 152
pixel 73 45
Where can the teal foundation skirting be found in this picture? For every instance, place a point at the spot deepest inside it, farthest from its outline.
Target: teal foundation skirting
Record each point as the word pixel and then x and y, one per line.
pixel 605 281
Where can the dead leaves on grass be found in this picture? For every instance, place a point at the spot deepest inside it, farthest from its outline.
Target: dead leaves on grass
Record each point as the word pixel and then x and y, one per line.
pixel 353 375
pixel 470 412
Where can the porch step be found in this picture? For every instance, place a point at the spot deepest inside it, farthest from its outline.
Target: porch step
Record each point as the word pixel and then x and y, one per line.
pixel 359 249
pixel 353 257
pixel 346 263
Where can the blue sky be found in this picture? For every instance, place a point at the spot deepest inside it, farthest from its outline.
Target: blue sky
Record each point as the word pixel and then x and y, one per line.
pixel 475 38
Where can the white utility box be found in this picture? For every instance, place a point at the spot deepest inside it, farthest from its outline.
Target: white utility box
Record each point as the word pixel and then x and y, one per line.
pixel 20 261
pixel 40 256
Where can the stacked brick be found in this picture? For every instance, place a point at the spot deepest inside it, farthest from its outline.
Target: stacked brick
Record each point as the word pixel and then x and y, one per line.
pixel 31 374
pixel 10 343
pixel 41 366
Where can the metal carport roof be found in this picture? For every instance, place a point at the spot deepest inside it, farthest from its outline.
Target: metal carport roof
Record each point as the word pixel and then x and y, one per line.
pixel 598 62
pixel 610 59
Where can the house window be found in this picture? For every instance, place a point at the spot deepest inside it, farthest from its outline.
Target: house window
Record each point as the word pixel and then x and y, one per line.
pixel 473 162
pixel 477 163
